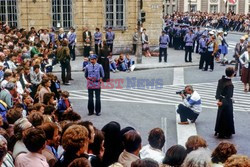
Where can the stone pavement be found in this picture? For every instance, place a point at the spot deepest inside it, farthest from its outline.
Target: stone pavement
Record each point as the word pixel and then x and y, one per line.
pixel 175 59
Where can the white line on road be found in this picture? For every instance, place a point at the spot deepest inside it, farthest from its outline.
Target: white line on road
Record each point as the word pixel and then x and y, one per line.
pixel 164 128
pixel 183 131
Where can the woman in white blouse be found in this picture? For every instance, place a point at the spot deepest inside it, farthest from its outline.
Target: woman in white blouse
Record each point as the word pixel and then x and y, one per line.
pixel 245 61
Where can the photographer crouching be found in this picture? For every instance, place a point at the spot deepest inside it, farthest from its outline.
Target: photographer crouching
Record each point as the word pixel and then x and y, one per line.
pixel 191 107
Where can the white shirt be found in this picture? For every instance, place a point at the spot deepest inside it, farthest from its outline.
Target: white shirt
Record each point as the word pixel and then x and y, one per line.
pixel 150 152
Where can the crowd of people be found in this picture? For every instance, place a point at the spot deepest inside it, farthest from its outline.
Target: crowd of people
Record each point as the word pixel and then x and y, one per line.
pixel 228 22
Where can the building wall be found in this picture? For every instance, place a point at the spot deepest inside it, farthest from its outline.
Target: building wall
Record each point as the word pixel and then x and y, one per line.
pixel 91 14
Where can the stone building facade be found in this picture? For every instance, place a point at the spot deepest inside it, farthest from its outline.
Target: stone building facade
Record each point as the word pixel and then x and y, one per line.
pixel 240 6
pixel 122 15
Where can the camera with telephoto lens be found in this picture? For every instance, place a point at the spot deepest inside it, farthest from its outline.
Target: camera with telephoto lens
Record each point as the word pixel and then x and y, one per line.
pixel 181 92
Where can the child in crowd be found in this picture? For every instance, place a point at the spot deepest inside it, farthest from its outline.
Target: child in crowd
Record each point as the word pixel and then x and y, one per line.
pixel 85 63
pixel 64 104
pixel 121 63
pixel 129 63
pixel 112 64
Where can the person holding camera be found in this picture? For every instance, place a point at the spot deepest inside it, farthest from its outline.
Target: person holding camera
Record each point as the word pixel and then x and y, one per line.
pixel 191 107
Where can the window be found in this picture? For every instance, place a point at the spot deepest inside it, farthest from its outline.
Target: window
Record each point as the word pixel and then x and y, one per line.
pixel 115 16
pixel 232 8
pixel 193 8
pixel 173 8
pixel 8 12
pixel 213 8
pixel 62 13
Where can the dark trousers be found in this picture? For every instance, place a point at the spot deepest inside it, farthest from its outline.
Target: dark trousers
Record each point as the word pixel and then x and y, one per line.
pixel 238 66
pixel 110 46
pixel 97 47
pixel 163 52
pixel 202 60
pixel 72 52
pixel 86 51
pixel 97 101
pixel 197 47
pixel 209 61
pixel 134 48
pixel 65 68
pixel 188 53
pixel 186 113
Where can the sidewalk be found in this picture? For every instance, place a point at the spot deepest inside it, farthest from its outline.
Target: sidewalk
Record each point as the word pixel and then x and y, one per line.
pixel 175 59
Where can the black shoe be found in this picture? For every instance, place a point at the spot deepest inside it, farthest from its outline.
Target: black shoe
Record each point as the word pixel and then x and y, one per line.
pixel 71 79
pixel 89 114
pixel 204 69
pixel 98 114
pixel 193 121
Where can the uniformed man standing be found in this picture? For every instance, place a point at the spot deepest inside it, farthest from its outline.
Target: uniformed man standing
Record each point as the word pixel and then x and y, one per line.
pixel 198 35
pixel 189 40
pixel 110 37
pixel 202 50
pixel 94 73
pixel 164 40
pixel 98 40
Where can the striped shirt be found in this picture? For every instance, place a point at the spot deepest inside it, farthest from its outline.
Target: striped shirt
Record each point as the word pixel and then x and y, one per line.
pixel 194 102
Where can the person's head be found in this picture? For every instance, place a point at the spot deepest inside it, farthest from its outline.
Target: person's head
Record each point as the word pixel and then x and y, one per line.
pixel 156 138
pixel 144 30
pixel 65 43
pixel 34 139
pixel 229 71
pixel 248 48
pixel 110 29
pixel 39 107
pixel 190 31
pixel 65 94
pixel 91 130
pixel 222 152
pixel 75 139
pixel 36 119
pixel 93 59
pixel 97 147
pixel 13 115
pixel 11 87
pixel 198 158
pixel 147 162
pixel 48 98
pixel 80 162
pixel 7 76
pixel 97 29
pixel 175 156
pixel 52 133
pixel 132 142
pixel 46 82
pixel 3 148
pixel 242 40
pixel 36 68
pixel 237 161
pixel 195 142
pixel 189 89
pixel 19 126
pixel 49 109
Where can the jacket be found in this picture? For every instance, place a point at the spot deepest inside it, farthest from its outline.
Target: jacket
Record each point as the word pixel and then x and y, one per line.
pixel 245 59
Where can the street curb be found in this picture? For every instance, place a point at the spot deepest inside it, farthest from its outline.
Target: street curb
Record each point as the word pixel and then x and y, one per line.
pixel 145 68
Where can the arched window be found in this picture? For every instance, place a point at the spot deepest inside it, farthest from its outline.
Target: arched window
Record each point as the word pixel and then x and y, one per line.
pixel 8 12
pixel 62 13
pixel 115 13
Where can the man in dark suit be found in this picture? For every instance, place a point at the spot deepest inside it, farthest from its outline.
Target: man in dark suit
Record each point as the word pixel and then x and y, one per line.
pixel 240 48
pixel 87 38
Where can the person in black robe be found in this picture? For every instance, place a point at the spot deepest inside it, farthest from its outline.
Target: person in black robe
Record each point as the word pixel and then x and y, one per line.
pixel 224 127
pixel 104 61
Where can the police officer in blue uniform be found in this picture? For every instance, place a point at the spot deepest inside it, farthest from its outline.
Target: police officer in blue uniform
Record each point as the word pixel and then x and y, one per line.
pixel 110 37
pixel 189 40
pixel 98 40
pixel 164 40
pixel 202 50
pixel 198 36
pixel 94 73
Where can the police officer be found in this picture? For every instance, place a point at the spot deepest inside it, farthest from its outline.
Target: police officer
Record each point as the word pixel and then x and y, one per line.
pixel 189 40
pixel 94 73
pixel 198 36
pixel 98 40
pixel 110 37
pixel 164 40
pixel 176 37
pixel 202 50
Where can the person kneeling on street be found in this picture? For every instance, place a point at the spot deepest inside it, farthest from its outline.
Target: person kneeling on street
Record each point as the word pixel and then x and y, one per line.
pixel 191 107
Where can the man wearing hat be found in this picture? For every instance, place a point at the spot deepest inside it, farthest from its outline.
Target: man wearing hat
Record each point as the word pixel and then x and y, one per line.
pixel 240 48
pixel 202 50
pixel 164 40
pixel 94 74
pixel 189 40
pixel 110 37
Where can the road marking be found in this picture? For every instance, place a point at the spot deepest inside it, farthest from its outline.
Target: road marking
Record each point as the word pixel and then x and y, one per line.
pixel 164 128
pixel 183 131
